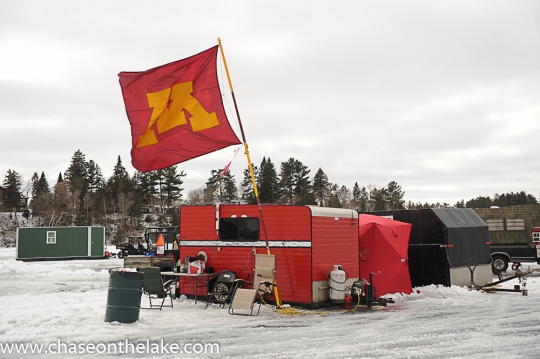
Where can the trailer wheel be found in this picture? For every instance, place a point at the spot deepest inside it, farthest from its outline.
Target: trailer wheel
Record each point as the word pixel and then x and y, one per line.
pixel 499 263
pixel 120 254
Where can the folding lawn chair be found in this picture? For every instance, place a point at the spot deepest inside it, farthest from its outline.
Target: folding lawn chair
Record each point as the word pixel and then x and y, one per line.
pixel 154 287
pixel 244 299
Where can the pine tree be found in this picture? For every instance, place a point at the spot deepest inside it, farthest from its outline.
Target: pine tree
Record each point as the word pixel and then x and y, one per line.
pixel 355 200
pixel 268 182
pixel 334 199
pixel 41 194
pixel 60 179
pixel 172 185
pixel 43 185
pixel 394 196
pixel 303 190
pixel 34 184
pixel 145 184
pixel 345 197
pixel 246 186
pixel 364 204
pixel 287 182
pixel 12 196
pixel 213 186
pixel 77 174
pixel 320 187
pixel 294 181
pixel 96 181
pixel 379 196
pixel 305 195
pixel 356 192
pixel 119 182
pixel 222 188
pixel 230 191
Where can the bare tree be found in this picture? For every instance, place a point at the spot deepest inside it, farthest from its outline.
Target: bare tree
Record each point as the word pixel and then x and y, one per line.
pixel 196 196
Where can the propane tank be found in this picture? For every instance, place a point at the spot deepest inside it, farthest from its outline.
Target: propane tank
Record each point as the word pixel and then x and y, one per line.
pixel 336 282
pixel 160 244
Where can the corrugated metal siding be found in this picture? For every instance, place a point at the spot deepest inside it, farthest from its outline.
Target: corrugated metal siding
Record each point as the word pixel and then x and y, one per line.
pixel 70 242
pixel 198 222
pixel 334 242
pixel 98 241
pixel 292 269
pixel 282 222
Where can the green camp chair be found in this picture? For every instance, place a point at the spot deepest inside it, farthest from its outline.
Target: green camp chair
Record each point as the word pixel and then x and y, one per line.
pixel 154 287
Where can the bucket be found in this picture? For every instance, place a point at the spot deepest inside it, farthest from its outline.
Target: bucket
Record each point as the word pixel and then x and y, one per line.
pixel 124 297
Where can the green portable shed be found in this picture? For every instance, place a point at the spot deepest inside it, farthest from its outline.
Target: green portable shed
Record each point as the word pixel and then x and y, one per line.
pixel 51 243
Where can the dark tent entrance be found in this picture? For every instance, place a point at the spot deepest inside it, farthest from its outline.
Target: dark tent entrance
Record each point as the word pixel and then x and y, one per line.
pixel 384 245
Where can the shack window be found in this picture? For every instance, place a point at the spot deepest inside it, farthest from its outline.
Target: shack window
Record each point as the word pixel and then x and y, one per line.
pixel 239 229
pixel 517 224
pixel 51 237
pixel 536 237
pixel 495 224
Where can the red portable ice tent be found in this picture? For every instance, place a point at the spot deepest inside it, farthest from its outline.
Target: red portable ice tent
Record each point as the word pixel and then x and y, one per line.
pixel 384 245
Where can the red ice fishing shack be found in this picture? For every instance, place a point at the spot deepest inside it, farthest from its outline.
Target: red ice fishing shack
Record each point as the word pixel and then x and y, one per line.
pixel 306 240
pixel 384 251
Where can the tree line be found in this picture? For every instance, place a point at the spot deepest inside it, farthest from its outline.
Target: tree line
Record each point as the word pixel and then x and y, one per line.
pixel 83 197
pixel 121 203
pixel 292 185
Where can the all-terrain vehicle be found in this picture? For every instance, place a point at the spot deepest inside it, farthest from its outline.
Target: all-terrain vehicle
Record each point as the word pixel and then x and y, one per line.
pixel 135 245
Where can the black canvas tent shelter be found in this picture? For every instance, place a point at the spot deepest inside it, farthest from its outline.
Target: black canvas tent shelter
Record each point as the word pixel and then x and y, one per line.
pixel 448 246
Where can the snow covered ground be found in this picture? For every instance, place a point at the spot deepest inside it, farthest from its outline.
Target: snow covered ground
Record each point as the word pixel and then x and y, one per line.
pixel 47 303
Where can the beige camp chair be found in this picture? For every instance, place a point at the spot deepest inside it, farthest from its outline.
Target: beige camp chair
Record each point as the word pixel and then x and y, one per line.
pixel 264 278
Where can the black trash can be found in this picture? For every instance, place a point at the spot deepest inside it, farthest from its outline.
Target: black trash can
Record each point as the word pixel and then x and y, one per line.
pixel 124 297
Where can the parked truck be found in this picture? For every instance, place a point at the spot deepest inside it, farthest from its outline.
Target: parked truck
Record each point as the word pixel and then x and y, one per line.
pixel 157 248
pixel 514 234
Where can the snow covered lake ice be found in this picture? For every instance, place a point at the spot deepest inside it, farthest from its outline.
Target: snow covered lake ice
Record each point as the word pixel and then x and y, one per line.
pixel 65 302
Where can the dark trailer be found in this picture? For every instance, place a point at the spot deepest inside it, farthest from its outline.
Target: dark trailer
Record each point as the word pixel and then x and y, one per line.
pixel 448 246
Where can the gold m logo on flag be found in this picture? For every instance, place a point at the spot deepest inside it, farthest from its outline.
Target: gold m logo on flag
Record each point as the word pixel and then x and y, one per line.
pixel 168 112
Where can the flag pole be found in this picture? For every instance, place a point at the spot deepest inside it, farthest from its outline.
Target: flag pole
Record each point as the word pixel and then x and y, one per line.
pixel 245 148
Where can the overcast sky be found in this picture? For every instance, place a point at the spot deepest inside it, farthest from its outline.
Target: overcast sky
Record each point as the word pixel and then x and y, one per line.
pixel 442 97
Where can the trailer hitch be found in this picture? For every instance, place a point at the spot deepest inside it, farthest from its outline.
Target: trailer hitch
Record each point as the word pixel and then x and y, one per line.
pixel 521 276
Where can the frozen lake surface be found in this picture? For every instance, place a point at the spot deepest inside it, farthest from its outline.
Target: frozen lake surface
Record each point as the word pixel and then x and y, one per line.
pixel 65 301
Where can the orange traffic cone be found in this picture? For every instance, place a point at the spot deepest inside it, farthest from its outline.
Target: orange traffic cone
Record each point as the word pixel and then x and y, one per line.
pixel 160 245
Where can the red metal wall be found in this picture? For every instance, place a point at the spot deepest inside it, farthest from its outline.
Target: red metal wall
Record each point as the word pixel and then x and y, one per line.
pixel 198 223
pixel 334 241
